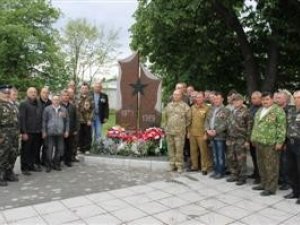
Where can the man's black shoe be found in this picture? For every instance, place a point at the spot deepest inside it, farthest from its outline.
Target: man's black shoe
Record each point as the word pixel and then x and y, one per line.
pixel 3 183
pixel 68 164
pixel 218 176
pixel 26 173
pixel 48 169
pixel 57 168
pixel 298 201
pixel 266 193
pixel 213 175
pixel 291 196
pixel 36 169
pixel 258 188
pixel 240 182
pixel 204 173
pixel 232 179
pixel 252 176
pixel 12 177
pixel 284 187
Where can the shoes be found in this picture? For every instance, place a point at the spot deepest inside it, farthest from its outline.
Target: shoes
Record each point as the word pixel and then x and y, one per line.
pixel 26 173
pixel 172 169
pixel 284 187
pixel 192 170
pixel 57 168
pixel 3 183
pixel 179 170
pixel 48 169
pixel 213 175
pixel 240 182
pixel 258 188
pixel 68 164
pixel 75 160
pixel 266 193
pixel 252 176
pixel 298 201
pixel 204 173
pixel 36 169
pixel 218 176
pixel 232 179
pixel 12 177
pixel 291 196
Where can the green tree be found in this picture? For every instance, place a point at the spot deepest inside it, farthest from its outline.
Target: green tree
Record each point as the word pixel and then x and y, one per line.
pixel 29 55
pixel 220 44
pixel 88 48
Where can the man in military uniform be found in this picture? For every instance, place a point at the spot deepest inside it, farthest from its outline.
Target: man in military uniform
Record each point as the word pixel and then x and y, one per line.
pixel 268 136
pixel 197 136
pixel 237 141
pixel 215 126
pixel 255 105
pixel 176 119
pixel 8 136
pixel 293 147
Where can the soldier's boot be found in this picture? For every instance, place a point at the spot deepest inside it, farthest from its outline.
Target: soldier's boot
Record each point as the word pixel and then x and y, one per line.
pixel 2 179
pixel 11 176
pixel 241 181
pixel 232 178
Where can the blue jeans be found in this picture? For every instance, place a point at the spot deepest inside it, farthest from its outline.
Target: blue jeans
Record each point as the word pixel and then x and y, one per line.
pixel 219 156
pixel 97 128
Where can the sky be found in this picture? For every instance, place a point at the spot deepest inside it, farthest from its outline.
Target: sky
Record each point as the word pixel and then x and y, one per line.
pixel 116 14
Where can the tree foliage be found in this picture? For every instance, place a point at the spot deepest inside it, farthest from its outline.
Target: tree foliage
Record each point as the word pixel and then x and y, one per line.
pixel 88 48
pixel 29 55
pixel 246 45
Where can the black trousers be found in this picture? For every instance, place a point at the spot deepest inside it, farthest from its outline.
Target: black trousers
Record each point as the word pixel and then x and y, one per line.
pixel 254 161
pixel 69 148
pixel 85 137
pixel 293 162
pixel 29 150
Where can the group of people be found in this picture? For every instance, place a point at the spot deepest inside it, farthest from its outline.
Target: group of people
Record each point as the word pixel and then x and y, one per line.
pixel 51 131
pixel 204 134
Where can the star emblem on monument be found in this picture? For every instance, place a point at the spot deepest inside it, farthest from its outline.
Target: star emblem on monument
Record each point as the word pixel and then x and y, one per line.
pixel 138 87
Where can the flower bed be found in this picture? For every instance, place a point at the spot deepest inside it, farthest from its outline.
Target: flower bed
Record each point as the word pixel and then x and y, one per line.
pixel 128 143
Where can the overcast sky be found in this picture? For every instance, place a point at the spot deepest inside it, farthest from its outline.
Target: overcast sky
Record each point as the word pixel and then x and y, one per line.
pixel 115 14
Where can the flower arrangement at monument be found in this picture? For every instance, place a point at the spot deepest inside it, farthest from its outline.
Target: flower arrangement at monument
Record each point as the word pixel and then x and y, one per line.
pixel 119 141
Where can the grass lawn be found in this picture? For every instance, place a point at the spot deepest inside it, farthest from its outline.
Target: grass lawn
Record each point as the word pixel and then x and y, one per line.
pixel 110 123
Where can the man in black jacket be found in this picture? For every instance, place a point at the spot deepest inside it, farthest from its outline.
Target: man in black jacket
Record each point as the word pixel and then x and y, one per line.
pixel 31 130
pixel 44 101
pixel 73 127
pixel 101 110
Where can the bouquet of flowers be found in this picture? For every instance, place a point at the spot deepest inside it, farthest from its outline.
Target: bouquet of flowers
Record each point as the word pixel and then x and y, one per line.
pixel 138 143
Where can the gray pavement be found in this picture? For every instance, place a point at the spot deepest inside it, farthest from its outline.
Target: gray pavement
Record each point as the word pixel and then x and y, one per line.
pixel 122 195
pixel 82 178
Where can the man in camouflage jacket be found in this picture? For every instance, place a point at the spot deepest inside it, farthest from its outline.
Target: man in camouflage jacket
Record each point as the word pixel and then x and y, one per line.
pixel 237 141
pixel 268 136
pixel 176 119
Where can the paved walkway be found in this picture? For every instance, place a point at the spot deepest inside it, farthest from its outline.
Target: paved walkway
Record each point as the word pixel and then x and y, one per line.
pixel 187 199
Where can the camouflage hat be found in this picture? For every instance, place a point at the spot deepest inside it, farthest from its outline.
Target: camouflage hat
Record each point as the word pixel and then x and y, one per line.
pixel 5 87
pixel 237 97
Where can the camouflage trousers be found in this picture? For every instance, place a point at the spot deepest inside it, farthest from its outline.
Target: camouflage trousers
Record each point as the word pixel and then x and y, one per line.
pixel 237 157
pixel 199 148
pixel 268 166
pixel 175 149
pixel 8 153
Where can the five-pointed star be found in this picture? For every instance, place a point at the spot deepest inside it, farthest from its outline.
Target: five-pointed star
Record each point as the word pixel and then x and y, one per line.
pixel 138 87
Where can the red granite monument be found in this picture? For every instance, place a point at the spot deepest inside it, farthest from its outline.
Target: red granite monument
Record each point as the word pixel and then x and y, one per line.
pixel 139 95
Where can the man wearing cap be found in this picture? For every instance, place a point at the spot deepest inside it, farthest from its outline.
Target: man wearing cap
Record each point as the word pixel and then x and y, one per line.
pixel 237 141
pixel 8 136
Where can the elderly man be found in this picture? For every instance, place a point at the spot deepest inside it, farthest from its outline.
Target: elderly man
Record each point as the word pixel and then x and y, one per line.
pixel 268 136
pixel 55 129
pixel 8 137
pixel 215 126
pixel 293 147
pixel 101 110
pixel 176 119
pixel 197 136
pixel 31 131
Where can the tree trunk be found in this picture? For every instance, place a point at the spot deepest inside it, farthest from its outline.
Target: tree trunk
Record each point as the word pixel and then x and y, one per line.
pixel 231 20
pixel 271 69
